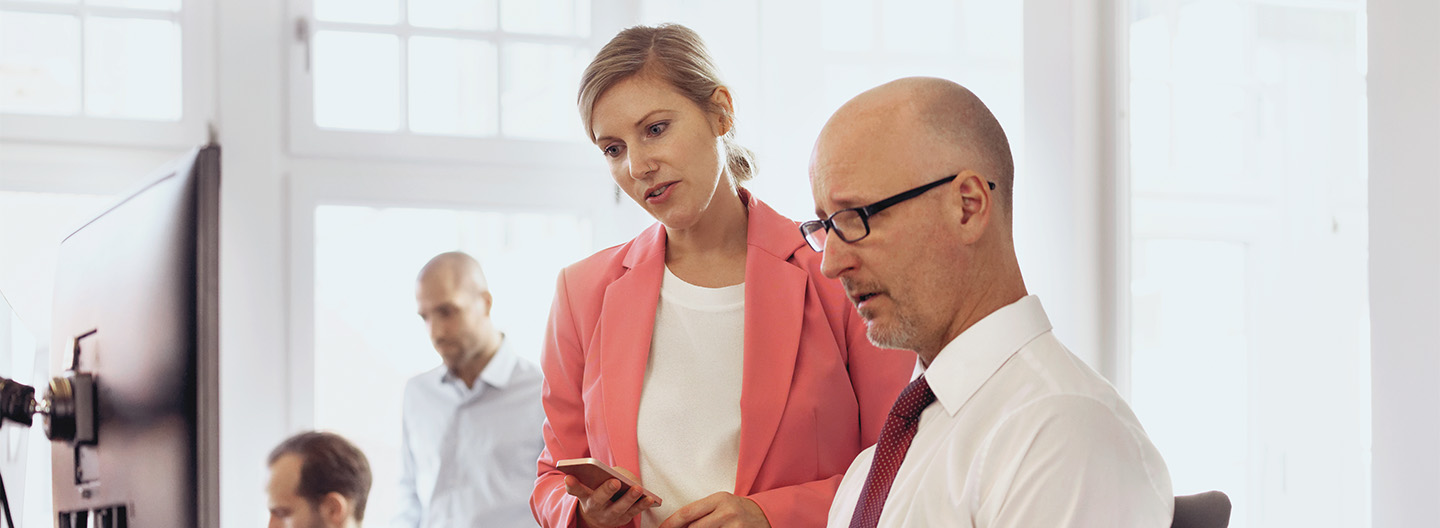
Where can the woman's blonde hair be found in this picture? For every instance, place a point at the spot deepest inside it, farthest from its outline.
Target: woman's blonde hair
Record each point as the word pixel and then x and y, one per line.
pixel 676 54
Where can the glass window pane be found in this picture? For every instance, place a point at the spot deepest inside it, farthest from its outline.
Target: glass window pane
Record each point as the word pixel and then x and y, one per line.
pixel 847 25
pixel 992 30
pixel 367 335
pixel 452 87
pixel 359 11
pixel 1211 39
pixel 161 5
pixel 918 26
pixel 546 17
pixel 1150 129
pixel 357 81
pixel 39 63
pixel 132 68
pixel 1243 198
pixel 453 14
pixel 1189 338
pixel 538 96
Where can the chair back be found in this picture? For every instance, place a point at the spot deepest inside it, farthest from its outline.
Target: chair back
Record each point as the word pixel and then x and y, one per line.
pixel 1202 510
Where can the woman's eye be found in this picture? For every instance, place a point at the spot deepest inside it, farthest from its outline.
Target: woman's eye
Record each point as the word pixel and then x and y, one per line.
pixel 612 151
pixel 657 128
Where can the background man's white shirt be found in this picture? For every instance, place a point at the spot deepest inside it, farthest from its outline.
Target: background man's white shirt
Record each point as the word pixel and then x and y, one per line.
pixel 1022 434
pixel 468 454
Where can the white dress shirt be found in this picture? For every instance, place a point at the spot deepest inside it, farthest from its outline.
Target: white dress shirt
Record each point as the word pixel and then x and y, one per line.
pixel 1022 434
pixel 468 454
pixel 688 425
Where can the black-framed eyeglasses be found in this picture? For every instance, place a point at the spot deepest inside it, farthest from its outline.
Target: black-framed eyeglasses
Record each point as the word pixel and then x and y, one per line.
pixel 853 224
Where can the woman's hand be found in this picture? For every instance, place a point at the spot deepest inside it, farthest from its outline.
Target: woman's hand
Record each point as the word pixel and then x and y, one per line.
pixel 598 511
pixel 719 510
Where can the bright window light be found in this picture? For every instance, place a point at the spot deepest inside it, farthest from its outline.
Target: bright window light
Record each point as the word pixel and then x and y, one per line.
pixel 538 91
pixel 453 14
pixel 39 63
pixel 1249 336
pixel 369 340
pixel 357 81
pixel 132 68
pixel 358 11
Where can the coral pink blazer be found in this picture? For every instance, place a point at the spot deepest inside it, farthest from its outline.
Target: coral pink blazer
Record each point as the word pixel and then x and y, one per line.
pixel 815 391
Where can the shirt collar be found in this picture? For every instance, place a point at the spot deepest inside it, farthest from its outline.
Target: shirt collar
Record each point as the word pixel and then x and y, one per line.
pixel 963 366
pixel 496 373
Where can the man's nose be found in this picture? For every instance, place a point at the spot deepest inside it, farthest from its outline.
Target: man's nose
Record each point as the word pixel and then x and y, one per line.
pixel 838 257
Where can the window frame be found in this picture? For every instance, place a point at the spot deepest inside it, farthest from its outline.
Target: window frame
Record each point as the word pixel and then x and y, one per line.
pixel 315 183
pixel 306 139
pixel 197 86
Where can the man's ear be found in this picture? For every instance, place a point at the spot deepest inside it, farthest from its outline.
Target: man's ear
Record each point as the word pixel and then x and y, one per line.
pixel 489 301
pixel 720 98
pixel 335 509
pixel 974 203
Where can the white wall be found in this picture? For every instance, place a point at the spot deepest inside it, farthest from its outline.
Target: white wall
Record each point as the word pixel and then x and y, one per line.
pixel 1404 90
pixel 1059 186
pixel 253 356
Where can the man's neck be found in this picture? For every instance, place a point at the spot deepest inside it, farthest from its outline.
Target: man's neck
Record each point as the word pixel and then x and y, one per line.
pixel 993 296
pixel 470 373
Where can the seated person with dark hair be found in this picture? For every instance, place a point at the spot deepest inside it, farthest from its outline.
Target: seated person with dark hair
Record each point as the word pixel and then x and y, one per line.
pixel 318 480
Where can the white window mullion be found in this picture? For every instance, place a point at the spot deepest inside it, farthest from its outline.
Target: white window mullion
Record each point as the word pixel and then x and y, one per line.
pixel 150 127
pixel 500 45
pixel 404 35
pixel 84 15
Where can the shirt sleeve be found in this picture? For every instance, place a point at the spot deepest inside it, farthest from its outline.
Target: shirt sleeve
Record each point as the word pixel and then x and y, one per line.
pixel 1069 460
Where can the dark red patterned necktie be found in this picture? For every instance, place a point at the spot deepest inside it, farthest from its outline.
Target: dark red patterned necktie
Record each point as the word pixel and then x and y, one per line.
pixel 890 451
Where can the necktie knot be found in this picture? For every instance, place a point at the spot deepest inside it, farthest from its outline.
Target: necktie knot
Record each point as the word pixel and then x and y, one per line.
pixel 895 437
pixel 914 399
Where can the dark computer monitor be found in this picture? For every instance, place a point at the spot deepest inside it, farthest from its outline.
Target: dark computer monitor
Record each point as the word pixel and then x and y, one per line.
pixel 135 328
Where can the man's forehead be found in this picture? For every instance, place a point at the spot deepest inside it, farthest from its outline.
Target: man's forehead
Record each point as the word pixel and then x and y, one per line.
pixel 841 185
pixel 285 474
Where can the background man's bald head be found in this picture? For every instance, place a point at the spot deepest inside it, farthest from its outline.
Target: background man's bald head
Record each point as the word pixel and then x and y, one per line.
pixel 949 114
pixel 456 268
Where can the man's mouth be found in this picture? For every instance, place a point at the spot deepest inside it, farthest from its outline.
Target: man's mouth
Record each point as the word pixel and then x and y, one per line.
pixel 859 299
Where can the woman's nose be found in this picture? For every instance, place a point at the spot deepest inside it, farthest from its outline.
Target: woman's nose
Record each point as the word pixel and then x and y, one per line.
pixel 641 163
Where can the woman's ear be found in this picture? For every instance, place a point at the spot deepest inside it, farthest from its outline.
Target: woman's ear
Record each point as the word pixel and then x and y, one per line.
pixel 720 100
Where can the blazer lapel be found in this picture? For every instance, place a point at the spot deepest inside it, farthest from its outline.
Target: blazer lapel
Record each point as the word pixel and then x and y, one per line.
pixel 774 313
pixel 626 325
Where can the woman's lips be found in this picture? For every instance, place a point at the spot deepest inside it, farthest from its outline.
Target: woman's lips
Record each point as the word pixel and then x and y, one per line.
pixel 659 193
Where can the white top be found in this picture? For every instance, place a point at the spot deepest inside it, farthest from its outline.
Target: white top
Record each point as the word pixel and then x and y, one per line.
pixel 1022 434
pixel 468 454
pixel 688 425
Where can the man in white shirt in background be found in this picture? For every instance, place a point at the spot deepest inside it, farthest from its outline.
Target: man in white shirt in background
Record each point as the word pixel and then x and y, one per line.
pixel 471 427
pixel 1005 427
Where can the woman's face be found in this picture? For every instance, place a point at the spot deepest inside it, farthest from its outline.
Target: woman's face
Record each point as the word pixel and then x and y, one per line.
pixel 663 149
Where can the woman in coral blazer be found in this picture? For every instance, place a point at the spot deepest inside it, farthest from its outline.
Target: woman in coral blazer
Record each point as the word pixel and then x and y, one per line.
pixel 812 391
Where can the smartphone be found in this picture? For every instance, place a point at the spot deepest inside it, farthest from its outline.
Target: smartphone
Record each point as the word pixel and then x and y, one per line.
pixel 594 473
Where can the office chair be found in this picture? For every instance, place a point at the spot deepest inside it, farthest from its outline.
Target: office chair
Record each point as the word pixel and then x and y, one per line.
pixel 1202 510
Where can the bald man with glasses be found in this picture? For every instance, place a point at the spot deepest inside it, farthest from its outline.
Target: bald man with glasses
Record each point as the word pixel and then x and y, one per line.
pixel 1005 427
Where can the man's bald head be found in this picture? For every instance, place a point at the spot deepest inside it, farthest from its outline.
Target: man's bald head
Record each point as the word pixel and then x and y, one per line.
pixel 921 269
pixel 454 301
pixel 955 126
pixel 457 268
